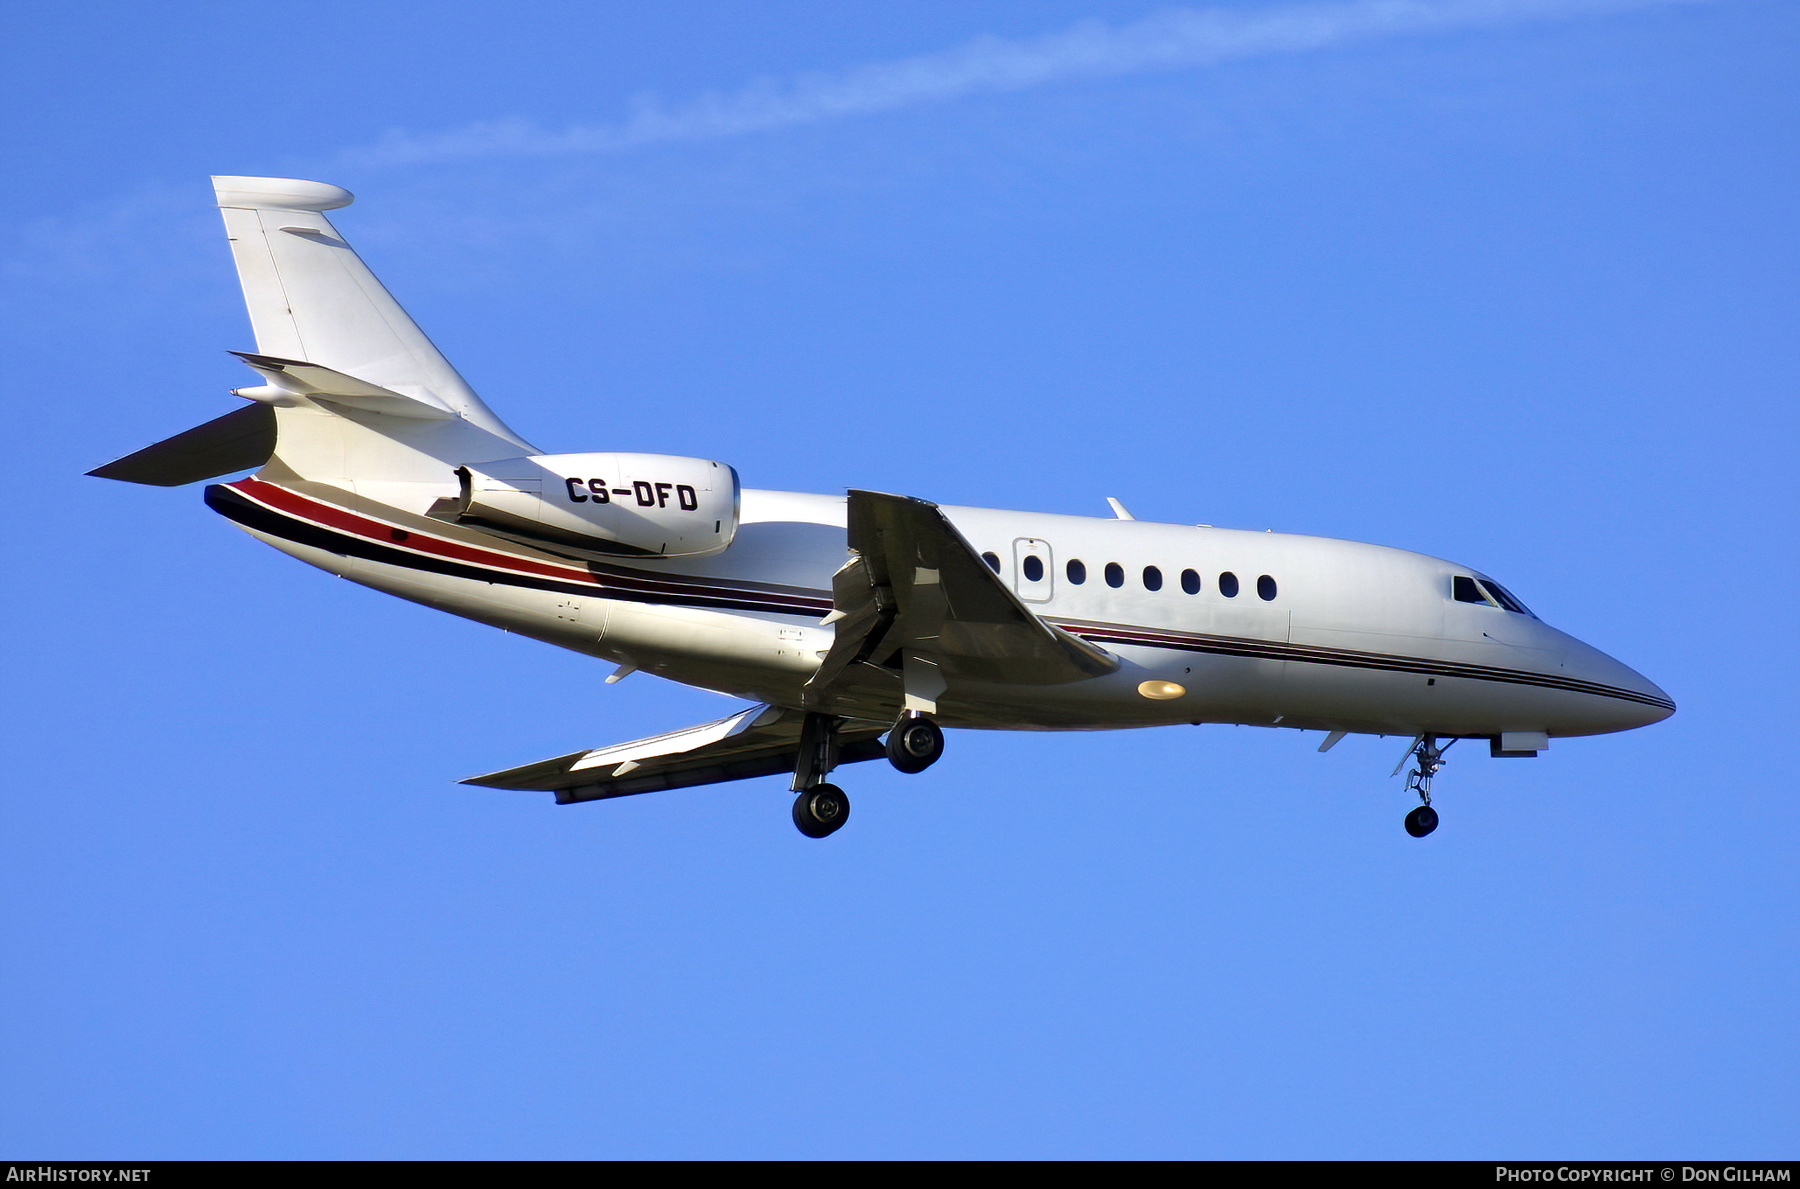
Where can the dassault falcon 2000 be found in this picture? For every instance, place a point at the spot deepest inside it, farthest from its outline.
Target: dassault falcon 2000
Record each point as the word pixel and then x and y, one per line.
pixel 860 624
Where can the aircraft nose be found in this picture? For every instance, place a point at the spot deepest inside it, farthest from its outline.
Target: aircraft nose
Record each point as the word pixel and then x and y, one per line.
pixel 1659 705
pixel 1624 698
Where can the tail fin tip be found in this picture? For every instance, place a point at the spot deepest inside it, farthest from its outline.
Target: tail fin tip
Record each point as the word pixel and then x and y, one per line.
pixel 279 194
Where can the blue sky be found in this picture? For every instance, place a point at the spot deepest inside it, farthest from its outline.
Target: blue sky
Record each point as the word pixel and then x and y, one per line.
pixel 1508 282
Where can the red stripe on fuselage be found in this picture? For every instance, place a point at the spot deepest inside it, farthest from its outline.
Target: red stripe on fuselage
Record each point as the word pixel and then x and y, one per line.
pixel 632 585
pixel 294 504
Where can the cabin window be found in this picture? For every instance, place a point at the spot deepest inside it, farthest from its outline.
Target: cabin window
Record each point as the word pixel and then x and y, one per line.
pixel 1190 581
pixel 992 559
pixel 1033 567
pixel 1077 571
pixel 1115 575
pixel 1464 590
pixel 1228 584
pixel 1152 578
pixel 1265 588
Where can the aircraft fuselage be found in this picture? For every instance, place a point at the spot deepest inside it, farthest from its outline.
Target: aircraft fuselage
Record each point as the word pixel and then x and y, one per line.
pixel 1261 628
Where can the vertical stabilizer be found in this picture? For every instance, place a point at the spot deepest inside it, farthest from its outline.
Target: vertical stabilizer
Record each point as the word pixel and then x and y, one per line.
pixel 312 299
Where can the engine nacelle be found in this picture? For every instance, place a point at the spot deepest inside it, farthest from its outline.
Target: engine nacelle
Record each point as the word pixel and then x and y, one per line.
pixel 601 505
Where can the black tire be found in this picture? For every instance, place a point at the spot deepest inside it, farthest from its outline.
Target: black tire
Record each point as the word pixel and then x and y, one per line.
pixel 820 810
pixel 1421 821
pixel 915 743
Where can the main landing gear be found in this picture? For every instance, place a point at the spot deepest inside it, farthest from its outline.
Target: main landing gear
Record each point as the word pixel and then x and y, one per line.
pixel 1427 758
pixel 915 743
pixel 820 809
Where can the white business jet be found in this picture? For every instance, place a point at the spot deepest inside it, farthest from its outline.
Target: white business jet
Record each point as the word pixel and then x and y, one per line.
pixel 860 624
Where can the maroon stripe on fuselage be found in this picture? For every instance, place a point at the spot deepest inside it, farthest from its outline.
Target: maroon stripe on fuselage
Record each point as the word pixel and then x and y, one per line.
pixel 606 582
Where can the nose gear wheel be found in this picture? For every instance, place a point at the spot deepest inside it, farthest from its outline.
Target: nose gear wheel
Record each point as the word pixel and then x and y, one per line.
pixel 1421 821
pixel 1427 759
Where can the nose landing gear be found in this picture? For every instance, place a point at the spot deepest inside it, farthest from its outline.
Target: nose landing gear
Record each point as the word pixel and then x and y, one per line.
pixel 1427 758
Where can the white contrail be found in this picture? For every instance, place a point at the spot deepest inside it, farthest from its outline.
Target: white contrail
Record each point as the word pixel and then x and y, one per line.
pixel 1091 49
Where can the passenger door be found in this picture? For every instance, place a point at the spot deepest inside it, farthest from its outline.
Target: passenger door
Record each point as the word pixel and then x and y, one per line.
pixel 1032 576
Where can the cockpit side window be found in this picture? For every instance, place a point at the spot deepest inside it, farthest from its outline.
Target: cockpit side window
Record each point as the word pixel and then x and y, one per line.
pixel 1464 590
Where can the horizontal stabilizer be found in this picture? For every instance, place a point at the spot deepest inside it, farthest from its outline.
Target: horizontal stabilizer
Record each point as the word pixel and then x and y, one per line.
pixel 760 741
pixel 322 383
pixel 239 441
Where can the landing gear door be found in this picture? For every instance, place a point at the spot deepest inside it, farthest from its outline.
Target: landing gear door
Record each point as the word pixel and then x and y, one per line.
pixel 1031 569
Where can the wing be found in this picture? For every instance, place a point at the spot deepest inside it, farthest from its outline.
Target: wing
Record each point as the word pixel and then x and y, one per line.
pixel 760 741
pixel 917 608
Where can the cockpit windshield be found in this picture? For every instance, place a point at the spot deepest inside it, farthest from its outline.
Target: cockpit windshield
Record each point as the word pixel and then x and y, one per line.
pixel 1504 597
pixel 1487 592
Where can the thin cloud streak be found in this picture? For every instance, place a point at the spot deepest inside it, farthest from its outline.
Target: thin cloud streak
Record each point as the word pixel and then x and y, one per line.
pixel 1171 40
